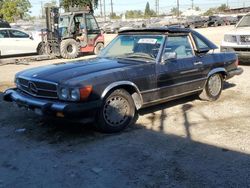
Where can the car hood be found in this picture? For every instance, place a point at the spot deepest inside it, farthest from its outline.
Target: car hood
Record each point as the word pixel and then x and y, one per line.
pixel 63 72
pixel 240 31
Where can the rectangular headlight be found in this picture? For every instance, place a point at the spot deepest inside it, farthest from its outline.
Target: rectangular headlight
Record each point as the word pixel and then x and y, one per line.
pixel 230 38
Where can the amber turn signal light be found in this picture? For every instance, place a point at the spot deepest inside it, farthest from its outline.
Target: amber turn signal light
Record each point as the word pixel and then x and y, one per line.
pixel 85 92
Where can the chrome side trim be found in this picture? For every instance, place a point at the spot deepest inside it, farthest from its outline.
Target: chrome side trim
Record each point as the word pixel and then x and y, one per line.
pixel 171 97
pixel 189 71
pixel 121 83
pixel 175 85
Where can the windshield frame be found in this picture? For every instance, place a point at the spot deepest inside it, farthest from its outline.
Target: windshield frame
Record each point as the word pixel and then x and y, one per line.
pixel 244 17
pixel 155 60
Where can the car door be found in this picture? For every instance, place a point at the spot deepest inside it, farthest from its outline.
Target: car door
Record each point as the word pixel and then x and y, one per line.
pixel 21 42
pixel 180 74
pixel 204 59
pixel 4 43
pixel 93 31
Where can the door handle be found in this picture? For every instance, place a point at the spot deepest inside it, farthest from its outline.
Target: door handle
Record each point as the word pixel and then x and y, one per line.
pixel 198 63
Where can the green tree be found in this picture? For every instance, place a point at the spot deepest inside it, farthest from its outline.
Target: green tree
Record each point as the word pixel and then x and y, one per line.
pixel 148 12
pixel 66 4
pixel 197 8
pixel 114 16
pixel 134 14
pixel 51 4
pixel 210 12
pixel 174 11
pixel 14 9
pixel 222 8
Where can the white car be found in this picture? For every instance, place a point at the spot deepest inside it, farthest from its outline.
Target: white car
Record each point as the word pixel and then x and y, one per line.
pixel 14 42
pixel 238 40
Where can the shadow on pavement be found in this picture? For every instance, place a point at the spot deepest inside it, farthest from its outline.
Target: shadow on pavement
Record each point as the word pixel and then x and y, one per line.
pixel 63 154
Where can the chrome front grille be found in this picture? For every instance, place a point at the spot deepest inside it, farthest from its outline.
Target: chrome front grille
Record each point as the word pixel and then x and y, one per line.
pixel 38 88
pixel 245 39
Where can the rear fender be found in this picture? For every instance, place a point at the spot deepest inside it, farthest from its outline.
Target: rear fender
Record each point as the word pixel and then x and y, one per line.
pixel 217 70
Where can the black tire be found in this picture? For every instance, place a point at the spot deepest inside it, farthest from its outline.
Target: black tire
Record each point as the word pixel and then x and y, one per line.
pixel 98 48
pixel 206 25
pixel 192 26
pixel 69 49
pixel 213 88
pixel 117 112
pixel 116 31
pixel 41 49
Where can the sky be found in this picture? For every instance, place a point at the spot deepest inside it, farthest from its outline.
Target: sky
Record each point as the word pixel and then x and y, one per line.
pixel 165 5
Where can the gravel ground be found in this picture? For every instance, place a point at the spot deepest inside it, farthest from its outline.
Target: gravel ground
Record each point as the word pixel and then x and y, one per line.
pixel 183 143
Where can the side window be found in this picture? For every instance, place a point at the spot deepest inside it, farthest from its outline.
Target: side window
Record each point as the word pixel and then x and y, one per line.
pixel 180 45
pixel 199 43
pixel 79 21
pixel 91 22
pixel 4 34
pixel 18 34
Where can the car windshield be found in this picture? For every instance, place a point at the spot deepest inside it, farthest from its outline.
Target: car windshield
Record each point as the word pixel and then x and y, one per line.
pixel 135 47
pixel 245 22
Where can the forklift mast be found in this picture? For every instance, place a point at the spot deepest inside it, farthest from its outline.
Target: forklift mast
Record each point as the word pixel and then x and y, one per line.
pixel 51 39
pixel 52 21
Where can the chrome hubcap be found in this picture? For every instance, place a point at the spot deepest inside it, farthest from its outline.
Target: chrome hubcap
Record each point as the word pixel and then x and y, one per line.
pixel 214 85
pixel 115 111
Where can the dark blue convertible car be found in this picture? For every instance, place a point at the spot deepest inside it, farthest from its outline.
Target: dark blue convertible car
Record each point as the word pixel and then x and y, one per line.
pixel 139 68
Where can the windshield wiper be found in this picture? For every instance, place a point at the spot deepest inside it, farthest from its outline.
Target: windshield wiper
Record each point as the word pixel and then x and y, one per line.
pixel 138 56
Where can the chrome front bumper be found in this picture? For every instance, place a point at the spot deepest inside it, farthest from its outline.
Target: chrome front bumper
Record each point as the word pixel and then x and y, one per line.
pixel 50 107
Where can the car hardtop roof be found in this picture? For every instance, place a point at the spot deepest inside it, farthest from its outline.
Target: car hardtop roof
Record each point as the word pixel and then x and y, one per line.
pixel 77 12
pixel 157 30
pixel 164 30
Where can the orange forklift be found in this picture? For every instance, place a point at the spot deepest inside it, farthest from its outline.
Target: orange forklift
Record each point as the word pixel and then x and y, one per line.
pixel 68 34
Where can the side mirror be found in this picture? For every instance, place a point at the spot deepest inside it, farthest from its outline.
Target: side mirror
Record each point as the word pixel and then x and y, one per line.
pixel 31 37
pixel 202 51
pixel 102 31
pixel 169 56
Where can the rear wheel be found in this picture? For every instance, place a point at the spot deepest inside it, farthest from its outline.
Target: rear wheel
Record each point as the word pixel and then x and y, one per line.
pixel 117 112
pixel 69 49
pixel 213 88
pixel 41 49
pixel 192 26
pixel 98 48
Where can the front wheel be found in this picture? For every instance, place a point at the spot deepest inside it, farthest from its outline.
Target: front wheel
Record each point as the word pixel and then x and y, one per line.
pixel 69 49
pixel 117 112
pixel 98 48
pixel 213 88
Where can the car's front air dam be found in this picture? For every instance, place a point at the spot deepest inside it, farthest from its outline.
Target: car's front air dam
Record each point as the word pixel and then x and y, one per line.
pixel 51 107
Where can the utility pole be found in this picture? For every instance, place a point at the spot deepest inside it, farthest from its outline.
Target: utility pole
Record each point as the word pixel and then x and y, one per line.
pixel 42 9
pixel 104 9
pixel 192 4
pixel 157 7
pixel 227 4
pixel 112 10
pixel 101 8
pixel 178 8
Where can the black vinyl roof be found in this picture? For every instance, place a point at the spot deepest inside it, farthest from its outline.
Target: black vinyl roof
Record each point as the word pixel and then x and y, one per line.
pixel 164 30
pixel 158 29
